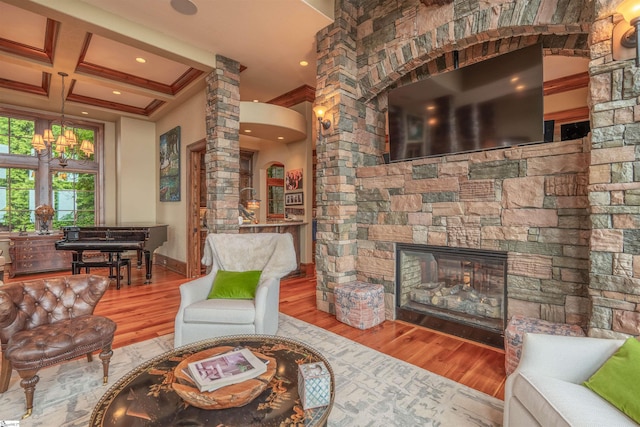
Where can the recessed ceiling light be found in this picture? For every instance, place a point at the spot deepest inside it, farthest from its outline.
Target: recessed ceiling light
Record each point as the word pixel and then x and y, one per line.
pixel 141 60
pixel 116 92
pixel 520 87
pixel 281 137
pixel 304 63
pixel 255 100
pixel 185 7
pixel 85 113
pixel 247 130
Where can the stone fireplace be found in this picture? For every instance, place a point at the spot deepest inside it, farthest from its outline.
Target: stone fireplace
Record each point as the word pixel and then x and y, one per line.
pixel 567 213
pixel 455 290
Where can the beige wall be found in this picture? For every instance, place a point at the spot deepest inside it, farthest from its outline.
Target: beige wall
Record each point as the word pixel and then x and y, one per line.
pixel 190 116
pixel 136 186
pixel 107 182
pixel 566 101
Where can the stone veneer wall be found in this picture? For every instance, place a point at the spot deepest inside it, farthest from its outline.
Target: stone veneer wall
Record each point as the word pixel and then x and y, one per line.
pixel 411 278
pixel 572 236
pixel 614 185
pixel 222 157
pixel 530 201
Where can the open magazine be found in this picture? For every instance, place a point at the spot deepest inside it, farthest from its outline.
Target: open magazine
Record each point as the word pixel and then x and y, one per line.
pixel 225 369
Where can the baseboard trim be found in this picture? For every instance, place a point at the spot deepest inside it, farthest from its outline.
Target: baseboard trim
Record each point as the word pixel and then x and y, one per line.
pixel 170 263
pixel 308 270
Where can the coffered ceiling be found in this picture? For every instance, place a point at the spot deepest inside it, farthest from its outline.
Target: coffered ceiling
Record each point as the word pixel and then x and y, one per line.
pixel 97 44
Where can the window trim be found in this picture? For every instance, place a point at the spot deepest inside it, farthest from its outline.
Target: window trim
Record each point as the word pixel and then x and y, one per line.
pixel 43 167
pixel 274 182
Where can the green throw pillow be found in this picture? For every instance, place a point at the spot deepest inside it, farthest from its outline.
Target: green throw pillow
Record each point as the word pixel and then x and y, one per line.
pixel 618 380
pixel 235 284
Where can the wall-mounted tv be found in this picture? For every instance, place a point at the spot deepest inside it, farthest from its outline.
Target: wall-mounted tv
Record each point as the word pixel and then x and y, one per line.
pixel 489 104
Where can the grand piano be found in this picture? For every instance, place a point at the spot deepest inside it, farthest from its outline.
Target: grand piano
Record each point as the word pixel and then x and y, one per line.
pixel 113 239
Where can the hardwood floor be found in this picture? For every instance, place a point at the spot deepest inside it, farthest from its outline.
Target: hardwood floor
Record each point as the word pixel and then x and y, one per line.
pixel 146 311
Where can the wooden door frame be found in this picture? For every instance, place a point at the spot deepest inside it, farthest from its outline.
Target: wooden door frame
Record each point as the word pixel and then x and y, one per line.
pixel 193 206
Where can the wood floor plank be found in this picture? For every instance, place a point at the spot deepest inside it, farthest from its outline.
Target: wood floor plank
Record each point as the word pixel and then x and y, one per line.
pixel 146 311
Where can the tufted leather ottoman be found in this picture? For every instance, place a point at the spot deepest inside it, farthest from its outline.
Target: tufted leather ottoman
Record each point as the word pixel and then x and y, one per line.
pixel 47 321
pixel 49 344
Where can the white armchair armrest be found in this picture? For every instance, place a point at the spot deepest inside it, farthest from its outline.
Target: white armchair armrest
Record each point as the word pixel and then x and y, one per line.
pixel 572 359
pixel 195 290
pixel 545 387
pixel 267 296
pixel 190 292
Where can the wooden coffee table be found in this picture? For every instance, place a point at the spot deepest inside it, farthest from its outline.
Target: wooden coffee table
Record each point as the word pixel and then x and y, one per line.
pixel 145 396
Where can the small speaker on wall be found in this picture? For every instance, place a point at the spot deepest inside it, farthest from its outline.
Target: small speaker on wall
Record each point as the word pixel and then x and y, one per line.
pixel 575 130
pixel 548 130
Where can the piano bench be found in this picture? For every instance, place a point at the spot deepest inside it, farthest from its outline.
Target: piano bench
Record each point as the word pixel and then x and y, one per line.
pixel 113 263
pixel 117 264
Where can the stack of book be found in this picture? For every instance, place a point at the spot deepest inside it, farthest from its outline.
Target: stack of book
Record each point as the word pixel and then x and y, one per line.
pixel 225 369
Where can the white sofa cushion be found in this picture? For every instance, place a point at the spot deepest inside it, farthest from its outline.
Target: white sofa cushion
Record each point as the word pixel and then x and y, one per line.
pixel 230 311
pixel 561 403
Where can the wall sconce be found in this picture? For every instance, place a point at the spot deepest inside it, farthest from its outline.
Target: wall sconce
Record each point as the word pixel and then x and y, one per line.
pixel 322 124
pixel 625 37
pixel 253 204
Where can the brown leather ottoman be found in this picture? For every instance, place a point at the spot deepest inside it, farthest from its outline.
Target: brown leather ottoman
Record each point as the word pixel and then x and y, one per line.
pixel 30 350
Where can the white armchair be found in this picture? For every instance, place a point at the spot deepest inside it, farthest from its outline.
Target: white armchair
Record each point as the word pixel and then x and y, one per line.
pixel 546 388
pixel 200 318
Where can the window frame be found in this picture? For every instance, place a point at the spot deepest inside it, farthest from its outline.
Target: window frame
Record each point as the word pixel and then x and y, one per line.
pixel 43 167
pixel 274 182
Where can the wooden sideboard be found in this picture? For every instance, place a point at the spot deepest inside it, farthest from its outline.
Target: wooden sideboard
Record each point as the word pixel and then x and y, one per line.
pixel 36 253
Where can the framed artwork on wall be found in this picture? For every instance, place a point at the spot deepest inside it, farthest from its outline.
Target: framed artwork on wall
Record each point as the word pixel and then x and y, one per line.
pixel 294 199
pixel 170 166
pixel 293 180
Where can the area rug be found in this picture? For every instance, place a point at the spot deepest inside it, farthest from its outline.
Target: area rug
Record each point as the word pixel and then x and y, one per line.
pixel 371 388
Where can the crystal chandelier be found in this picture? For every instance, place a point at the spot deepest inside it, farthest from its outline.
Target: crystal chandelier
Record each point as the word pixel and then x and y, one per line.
pixel 66 142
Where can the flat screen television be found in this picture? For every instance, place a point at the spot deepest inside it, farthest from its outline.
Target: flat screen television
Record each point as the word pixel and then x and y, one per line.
pixel 489 104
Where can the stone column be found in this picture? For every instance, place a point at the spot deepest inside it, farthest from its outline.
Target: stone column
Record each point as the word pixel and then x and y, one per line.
pixel 340 150
pixel 614 185
pixel 222 157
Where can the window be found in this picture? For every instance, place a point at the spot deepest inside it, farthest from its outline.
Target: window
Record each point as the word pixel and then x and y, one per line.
pixel 17 199
pixel 275 191
pixel 73 199
pixel 81 134
pixel 15 135
pixel 70 188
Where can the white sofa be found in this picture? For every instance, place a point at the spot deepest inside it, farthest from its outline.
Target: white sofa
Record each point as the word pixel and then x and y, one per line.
pixel 546 389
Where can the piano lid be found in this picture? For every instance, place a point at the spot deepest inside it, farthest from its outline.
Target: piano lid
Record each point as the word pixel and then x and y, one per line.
pixel 129 224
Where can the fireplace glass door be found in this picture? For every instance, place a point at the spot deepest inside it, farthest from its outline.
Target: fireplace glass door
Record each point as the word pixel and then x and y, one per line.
pixel 463 287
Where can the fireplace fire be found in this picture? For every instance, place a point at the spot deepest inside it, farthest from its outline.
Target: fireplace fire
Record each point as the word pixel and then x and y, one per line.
pixel 459 291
